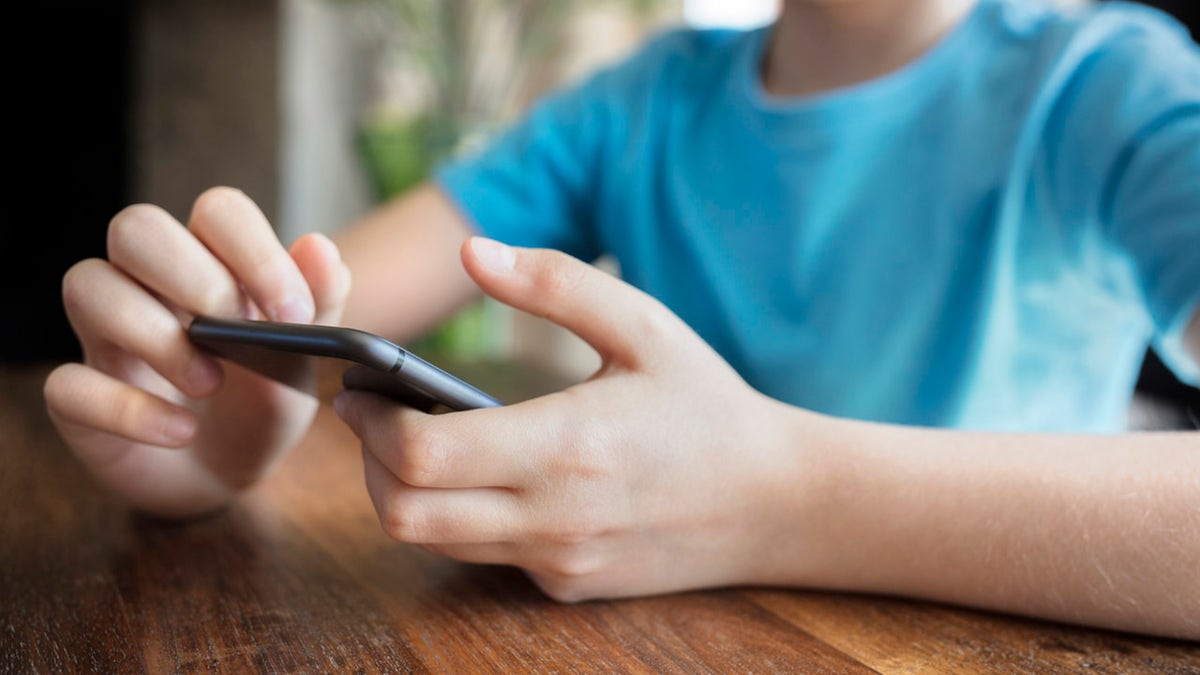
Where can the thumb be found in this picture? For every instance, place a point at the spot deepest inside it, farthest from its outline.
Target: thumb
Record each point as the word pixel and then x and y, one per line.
pixel 327 276
pixel 619 321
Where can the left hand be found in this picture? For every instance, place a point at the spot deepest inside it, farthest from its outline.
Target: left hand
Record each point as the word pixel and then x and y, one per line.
pixel 662 472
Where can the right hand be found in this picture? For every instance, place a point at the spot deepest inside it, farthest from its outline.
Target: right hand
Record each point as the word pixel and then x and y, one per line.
pixel 159 422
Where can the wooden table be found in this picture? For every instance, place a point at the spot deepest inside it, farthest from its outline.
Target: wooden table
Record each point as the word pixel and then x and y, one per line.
pixel 299 577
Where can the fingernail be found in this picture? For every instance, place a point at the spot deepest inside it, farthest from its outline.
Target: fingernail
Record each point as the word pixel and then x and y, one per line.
pixel 493 255
pixel 295 309
pixel 339 405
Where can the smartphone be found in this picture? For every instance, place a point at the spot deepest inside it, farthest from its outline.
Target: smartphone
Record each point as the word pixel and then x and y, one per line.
pixel 286 352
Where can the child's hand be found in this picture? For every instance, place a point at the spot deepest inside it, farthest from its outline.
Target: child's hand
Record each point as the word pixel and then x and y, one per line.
pixel 161 423
pixel 662 472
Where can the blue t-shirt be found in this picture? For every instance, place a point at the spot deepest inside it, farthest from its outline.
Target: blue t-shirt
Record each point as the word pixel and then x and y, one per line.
pixel 988 238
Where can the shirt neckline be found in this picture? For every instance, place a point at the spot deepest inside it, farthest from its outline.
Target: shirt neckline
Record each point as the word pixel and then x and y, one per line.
pixel 882 96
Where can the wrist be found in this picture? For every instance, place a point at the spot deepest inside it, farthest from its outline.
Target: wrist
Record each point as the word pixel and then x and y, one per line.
pixel 806 485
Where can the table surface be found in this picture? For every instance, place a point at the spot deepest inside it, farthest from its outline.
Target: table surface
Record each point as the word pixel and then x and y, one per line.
pixel 298 576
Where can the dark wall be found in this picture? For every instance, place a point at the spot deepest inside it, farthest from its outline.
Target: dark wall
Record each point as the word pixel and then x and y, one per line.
pixel 118 102
pixel 206 108
pixel 1184 10
pixel 69 149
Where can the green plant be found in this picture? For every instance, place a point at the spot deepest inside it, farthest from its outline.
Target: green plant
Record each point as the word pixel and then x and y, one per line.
pixel 466 62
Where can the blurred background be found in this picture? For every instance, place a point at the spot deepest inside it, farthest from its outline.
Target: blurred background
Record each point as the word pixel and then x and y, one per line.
pixel 318 109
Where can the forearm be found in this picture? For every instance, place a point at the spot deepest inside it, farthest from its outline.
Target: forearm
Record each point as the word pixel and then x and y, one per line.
pixel 404 261
pixel 1098 530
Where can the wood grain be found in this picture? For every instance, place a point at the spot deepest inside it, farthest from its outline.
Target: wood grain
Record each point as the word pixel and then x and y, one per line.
pixel 298 576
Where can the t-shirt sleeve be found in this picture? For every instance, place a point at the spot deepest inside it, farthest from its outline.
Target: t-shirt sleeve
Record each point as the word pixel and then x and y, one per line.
pixel 537 182
pixel 1152 201
pixel 532 185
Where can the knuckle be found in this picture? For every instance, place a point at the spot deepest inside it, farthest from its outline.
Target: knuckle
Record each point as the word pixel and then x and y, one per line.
pixel 655 325
pixel 267 271
pixel 126 413
pixel 422 459
pixel 163 342
pixel 219 299
pixel 574 532
pixel 402 520
pixel 584 455
pixel 561 277
pixel 580 525
pixel 572 562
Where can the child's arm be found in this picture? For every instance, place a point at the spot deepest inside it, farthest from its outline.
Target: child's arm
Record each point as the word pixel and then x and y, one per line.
pixel 404 255
pixel 1103 530
pixel 1100 530
pixel 665 472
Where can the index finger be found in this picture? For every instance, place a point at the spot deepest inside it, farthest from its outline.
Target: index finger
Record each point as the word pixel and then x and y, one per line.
pixel 487 447
pixel 231 225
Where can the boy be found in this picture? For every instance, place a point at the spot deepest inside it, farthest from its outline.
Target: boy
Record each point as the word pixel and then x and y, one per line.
pixel 873 219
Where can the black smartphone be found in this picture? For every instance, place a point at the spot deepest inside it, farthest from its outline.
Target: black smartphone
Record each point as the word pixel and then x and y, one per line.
pixel 286 351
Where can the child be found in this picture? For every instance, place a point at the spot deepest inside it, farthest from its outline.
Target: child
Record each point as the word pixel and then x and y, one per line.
pixel 877 261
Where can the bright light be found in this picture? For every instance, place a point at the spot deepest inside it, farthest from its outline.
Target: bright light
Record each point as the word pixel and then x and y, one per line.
pixel 729 13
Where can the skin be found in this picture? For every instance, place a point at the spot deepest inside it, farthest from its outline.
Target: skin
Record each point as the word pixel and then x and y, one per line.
pixel 820 45
pixel 704 482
